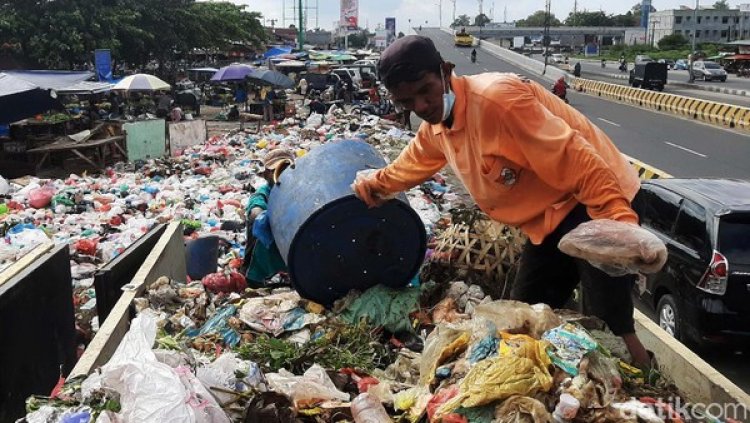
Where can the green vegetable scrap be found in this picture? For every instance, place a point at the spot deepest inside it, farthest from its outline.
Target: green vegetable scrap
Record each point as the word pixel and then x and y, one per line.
pixel 341 345
pixel 384 307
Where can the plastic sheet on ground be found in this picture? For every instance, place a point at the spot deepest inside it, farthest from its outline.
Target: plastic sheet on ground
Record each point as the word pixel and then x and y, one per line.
pixel 276 314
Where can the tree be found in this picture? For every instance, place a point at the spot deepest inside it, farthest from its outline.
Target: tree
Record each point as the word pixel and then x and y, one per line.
pixel 586 18
pixel 482 20
pixel 401 34
pixel 538 18
pixel 721 5
pixel 673 42
pixel 628 19
pixel 461 20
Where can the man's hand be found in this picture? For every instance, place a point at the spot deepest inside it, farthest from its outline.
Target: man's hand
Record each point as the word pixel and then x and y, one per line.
pixel 366 189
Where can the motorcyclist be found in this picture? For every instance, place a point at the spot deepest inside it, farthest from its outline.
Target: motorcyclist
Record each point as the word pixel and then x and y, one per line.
pixel 473 56
pixel 604 63
pixel 560 89
pixel 577 70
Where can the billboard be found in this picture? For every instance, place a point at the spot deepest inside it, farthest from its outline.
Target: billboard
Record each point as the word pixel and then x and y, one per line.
pixel 103 64
pixel 350 14
pixel 390 25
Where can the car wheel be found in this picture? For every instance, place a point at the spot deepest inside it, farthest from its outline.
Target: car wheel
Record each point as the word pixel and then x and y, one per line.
pixel 669 315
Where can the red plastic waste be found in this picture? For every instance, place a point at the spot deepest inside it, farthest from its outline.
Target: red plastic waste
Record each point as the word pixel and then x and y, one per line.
pixel 223 283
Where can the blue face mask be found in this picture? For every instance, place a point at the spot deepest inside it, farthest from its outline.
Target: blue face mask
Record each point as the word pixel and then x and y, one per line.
pixel 449 98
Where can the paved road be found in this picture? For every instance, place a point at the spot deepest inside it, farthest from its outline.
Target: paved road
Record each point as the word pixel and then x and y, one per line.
pixel 681 147
pixel 677 83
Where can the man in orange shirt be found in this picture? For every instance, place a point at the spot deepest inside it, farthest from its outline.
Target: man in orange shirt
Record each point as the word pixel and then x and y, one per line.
pixel 527 159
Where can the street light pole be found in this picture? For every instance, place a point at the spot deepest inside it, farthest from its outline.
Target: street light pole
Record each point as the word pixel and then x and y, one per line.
pixel 440 12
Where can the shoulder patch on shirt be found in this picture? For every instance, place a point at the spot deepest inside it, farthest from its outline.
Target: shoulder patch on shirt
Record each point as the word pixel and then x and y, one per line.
pixel 508 176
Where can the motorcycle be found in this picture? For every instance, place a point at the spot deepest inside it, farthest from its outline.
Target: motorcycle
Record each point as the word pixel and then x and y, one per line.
pixel 560 89
pixel 623 67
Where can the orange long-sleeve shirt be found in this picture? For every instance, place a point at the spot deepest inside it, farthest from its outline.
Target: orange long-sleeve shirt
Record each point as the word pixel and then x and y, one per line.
pixel 525 156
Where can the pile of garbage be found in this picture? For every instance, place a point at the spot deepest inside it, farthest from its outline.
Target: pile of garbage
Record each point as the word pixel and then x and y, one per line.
pixel 378 356
pixel 206 188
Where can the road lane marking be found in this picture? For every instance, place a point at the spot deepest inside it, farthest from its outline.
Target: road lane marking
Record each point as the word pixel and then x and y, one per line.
pixel 685 149
pixel 609 122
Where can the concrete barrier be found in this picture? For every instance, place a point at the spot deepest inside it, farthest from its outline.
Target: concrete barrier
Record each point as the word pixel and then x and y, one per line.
pixel 707 111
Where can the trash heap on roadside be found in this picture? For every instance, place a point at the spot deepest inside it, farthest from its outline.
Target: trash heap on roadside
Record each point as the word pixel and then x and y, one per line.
pixel 212 351
pixel 440 352
pixel 206 188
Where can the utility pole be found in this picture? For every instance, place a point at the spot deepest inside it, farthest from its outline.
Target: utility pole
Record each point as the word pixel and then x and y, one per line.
pixel 440 13
pixel 301 33
pixel 545 36
pixel 454 11
pixel 575 13
pixel 692 52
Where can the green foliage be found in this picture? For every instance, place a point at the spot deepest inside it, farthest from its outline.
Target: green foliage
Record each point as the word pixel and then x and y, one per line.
pixel 63 33
pixel 481 20
pixel 673 42
pixel 461 20
pixel 721 5
pixel 342 345
pixel 537 19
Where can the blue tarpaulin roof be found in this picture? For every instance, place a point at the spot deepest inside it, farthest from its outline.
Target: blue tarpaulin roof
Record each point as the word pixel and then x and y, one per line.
pixel 275 51
pixel 20 99
pixel 51 80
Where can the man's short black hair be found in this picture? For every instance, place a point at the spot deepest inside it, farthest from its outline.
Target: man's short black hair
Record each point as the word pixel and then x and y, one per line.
pixel 408 59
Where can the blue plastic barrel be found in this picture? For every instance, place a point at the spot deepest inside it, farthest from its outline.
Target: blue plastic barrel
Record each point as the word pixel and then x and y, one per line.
pixel 332 243
pixel 202 256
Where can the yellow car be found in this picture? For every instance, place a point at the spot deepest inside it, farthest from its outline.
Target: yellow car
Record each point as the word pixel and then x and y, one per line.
pixel 463 39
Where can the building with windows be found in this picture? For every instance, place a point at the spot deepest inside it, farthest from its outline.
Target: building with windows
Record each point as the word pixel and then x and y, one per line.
pixel 707 25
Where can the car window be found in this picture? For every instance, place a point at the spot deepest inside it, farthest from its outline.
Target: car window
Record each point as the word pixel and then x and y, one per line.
pixel 734 238
pixel 657 208
pixel 712 66
pixel 690 229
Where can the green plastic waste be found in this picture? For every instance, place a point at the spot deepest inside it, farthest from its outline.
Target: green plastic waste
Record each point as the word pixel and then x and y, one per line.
pixel 386 307
pixel 3 209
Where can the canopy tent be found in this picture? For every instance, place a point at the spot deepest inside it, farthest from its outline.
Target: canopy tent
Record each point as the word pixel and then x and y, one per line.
pixel 276 51
pixel 50 79
pixel 233 73
pixel 141 82
pixel 86 87
pixel 20 99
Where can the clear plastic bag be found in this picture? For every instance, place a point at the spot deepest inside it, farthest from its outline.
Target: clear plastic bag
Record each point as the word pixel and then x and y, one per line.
pixel 615 247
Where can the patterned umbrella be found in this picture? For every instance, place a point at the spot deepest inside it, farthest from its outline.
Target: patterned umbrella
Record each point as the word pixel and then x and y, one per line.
pixel 141 82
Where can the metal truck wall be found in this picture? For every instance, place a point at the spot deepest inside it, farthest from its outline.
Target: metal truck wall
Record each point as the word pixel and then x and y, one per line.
pixel 110 279
pixel 37 328
pixel 331 242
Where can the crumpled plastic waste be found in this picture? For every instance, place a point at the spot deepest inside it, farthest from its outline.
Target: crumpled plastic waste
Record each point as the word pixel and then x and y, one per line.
pixel 517 317
pixel 151 391
pixel 439 399
pixel 231 373
pixel 442 344
pixel 41 197
pixel 617 248
pixel 571 343
pixel 635 410
pixel 384 307
pixel 413 400
pixel 313 387
pixel 221 282
pixel 277 313
pixel 219 323
pixel 519 369
pixel 522 409
pixel 446 311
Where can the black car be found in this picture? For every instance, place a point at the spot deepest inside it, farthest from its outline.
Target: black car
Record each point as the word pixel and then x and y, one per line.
pixel 702 295
pixel 320 81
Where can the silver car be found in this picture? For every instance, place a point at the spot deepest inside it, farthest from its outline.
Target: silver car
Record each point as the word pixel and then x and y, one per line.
pixel 709 71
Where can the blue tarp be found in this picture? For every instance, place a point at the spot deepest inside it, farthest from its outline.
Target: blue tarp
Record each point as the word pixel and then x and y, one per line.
pixel 275 51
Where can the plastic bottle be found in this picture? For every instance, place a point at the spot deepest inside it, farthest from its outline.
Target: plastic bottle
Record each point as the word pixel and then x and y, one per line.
pixel 368 409
pixel 566 409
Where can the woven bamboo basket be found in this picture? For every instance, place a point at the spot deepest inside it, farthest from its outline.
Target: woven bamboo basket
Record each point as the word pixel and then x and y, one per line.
pixel 480 245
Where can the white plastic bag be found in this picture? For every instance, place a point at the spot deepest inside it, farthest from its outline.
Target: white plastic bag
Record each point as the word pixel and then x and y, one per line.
pixel 617 248
pixel 151 391
pixel 314 385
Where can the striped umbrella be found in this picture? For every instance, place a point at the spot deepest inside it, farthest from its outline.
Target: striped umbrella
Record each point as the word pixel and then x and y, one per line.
pixel 141 82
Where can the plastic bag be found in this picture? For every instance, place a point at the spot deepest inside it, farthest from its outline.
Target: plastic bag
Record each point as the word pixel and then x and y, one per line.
pixel 262 229
pixel 571 343
pixel 442 344
pixel 364 175
pixel 151 391
pixel 518 317
pixel 521 409
pixel 615 247
pixel 312 387
pixel 40 198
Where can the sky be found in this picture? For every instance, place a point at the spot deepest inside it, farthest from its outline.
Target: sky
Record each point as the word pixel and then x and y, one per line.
pixel 426 12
